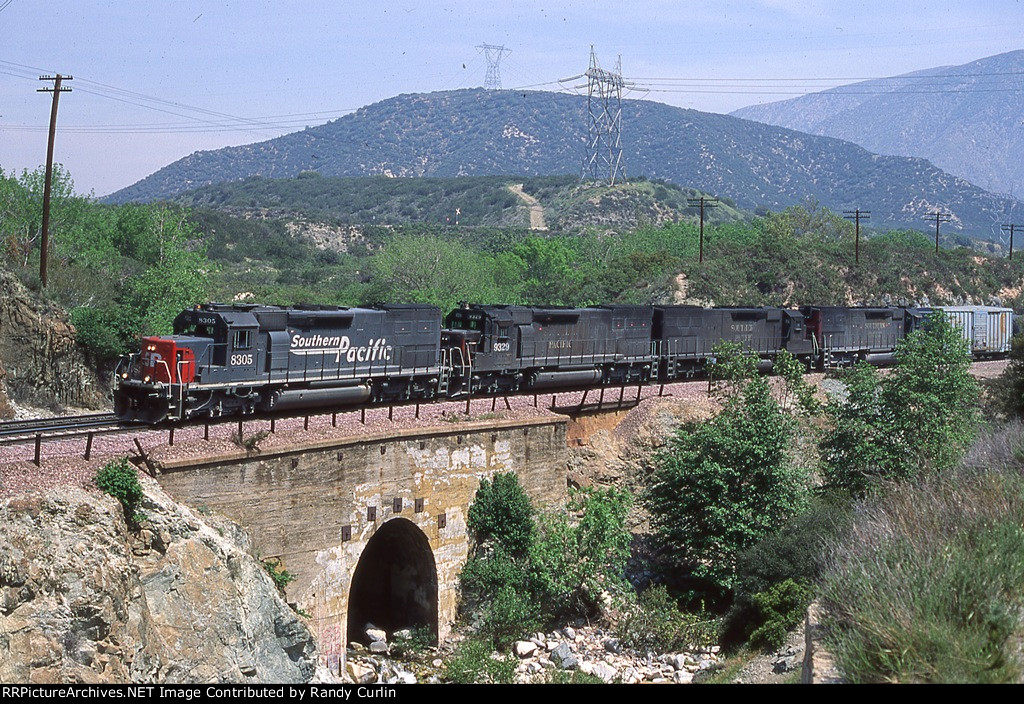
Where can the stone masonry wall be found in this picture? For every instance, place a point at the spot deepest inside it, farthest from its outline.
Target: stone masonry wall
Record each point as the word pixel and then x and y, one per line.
pixel 309 506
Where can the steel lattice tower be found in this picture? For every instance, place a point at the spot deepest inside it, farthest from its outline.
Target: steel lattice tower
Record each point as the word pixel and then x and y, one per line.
pixel 604 134
pixel 493 54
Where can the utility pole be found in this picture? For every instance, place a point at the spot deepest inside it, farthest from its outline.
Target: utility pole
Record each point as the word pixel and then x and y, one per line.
pixel 702 202
pixel 938 216
pixel 857 216
pixel 45 243
pixel 1009 228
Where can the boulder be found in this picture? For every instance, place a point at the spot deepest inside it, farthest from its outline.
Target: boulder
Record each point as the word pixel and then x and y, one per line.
pixel 81 604
pixel 525 648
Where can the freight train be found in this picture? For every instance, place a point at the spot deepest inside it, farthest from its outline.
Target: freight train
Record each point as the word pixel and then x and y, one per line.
pixel 242 359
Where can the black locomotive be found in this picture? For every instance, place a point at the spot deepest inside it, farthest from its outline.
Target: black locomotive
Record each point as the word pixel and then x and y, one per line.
pixel 239 359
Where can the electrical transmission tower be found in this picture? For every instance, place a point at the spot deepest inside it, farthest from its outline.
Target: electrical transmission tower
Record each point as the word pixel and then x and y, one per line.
pixel 493 55
pixel 604 134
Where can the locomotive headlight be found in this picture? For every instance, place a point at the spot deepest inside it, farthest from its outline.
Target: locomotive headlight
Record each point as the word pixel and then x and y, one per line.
pixel 146 378
pixel 124 375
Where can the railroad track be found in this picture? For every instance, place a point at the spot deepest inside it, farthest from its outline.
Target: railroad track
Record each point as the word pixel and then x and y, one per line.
pixel 18 431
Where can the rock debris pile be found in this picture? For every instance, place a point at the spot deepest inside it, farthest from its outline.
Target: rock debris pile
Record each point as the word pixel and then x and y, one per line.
pixel 587 649
pixel 594 652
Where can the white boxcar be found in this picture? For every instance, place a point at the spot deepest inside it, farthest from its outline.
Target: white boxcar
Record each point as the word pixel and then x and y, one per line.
pixel 987 328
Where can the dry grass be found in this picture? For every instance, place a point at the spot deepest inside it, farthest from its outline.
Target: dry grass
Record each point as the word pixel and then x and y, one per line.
pixel 929 585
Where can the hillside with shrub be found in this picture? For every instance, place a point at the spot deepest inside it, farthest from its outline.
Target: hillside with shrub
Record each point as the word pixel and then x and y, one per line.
pixel 532 133
pixel 122 270
pixel 469 201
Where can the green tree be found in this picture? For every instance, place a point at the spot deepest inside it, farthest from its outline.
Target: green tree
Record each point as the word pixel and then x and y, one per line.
pixel 431 269
pixel 919 418
pixel 528 570
pixel 856 450
pixel 21 210
pixel 721 485
pixel 573 562
pixel 119 479
pixel 550 271
pixel 502 513
pixel 931 396
pixel 809 220
pixel 1009 388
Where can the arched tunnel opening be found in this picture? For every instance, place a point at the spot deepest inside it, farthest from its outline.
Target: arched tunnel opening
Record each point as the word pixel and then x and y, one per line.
pixel 395 583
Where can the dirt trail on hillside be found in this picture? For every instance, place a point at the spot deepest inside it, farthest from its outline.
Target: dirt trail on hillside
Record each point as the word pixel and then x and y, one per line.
pixel 537 221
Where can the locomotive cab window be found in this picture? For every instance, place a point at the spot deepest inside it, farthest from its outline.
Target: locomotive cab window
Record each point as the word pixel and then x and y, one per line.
pixel 192 330
pixel 243 339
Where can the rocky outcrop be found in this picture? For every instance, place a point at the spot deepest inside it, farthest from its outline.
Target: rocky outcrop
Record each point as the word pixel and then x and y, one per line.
pixel 615 448
pixel 84 599
pixel 43 365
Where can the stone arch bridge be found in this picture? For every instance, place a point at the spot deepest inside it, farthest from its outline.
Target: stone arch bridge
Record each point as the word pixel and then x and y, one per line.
pixel 373 527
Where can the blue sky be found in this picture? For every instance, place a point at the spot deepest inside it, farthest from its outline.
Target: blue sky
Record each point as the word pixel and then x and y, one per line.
pixel 261 68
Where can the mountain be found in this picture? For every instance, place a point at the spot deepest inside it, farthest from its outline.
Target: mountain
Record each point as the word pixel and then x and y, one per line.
pixel 967 120
pixel 480 132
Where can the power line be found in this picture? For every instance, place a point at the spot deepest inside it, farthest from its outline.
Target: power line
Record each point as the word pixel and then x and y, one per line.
pixel 907 77
pixel 150 102
pixel 294 120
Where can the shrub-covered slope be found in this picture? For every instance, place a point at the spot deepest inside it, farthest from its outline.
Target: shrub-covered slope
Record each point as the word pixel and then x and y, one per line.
pixel 479 132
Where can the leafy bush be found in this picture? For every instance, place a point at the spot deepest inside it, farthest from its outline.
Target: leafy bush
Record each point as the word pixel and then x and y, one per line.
pixel 556 676
pixel 655 623
pixel 795 552
pixel 281 577
pixel 420 639
pixel 472 663
pixel 120 479
pixel 1008 389
pixel 721 485
pixel 509 615
pixel 573 562
pixel 777 611
pixel 919 418
pixel 501 512
pixel 526 572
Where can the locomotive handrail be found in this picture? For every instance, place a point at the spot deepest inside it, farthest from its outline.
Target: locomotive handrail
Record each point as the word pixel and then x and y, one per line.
pixel 170 377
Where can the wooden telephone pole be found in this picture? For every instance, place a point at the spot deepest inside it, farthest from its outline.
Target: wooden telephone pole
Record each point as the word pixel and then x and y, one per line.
pixel 939 217
pixel 857 216
pixel 702 202
pixel 1010 228
pixel 45 243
